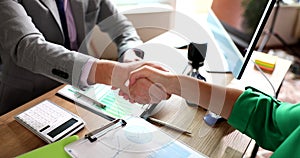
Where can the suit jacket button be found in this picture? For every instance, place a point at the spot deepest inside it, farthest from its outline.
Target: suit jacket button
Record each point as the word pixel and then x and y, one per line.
pixel 60 73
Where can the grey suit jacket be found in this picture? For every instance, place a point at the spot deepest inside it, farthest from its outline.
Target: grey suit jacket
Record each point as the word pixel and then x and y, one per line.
pixel 31 36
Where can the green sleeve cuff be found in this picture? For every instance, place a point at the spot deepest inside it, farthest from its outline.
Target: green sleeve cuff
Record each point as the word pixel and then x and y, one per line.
pixel 242 110
pixel 266 120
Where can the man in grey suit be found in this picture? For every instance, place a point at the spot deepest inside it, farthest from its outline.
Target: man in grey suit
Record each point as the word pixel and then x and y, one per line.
pixel 34 54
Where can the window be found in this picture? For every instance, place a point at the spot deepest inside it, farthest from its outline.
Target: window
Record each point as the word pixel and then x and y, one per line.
pixel 145 6
pixel 135 2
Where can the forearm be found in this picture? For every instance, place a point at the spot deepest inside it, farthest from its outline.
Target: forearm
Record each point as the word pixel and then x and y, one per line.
pixel 216 98
pixel 113 73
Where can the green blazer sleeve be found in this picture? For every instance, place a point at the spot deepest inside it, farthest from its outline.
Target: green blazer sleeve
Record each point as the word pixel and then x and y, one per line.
pixel 290 147
pixel 273 124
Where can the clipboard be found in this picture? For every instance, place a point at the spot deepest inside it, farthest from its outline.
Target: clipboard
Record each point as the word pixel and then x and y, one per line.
pixel 103 101
pixel 130 137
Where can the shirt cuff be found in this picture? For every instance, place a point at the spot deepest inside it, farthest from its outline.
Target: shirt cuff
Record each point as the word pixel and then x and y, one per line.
pixel 85 74
pixel 243 109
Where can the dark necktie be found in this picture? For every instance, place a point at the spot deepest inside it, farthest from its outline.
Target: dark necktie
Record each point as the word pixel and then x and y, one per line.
pixel 60 7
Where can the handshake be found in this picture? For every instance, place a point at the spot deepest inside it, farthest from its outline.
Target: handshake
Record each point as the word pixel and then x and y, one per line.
pixel 149 82
pixel 145 83
pixel 139 81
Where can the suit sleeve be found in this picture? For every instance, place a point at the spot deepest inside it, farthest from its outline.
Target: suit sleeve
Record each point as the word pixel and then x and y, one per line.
pixel 120 30
pixel 273 124
pixel 26 46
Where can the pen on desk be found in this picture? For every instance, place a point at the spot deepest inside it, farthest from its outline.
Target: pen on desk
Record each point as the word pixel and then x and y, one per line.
pixel 91 99
pixel 169 126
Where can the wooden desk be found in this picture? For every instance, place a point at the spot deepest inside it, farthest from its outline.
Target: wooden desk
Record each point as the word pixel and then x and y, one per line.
pixel 16 139
pixel 212 141
pixel 219 141
pixel 254 78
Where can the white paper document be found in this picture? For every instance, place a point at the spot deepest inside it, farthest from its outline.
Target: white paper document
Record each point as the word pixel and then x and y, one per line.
pixel 115 105
pixel 135 138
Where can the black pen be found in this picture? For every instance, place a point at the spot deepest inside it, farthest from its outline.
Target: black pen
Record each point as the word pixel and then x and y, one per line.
pixel 151 119
pixel 91 99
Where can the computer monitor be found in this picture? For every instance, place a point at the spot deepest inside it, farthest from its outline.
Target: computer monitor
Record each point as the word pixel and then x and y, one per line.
pixel 237 40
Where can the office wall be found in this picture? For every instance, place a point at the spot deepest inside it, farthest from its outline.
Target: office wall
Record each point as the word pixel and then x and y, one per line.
pixel 286 25
pixel 224 11
pixel 194 6
pixel 151 23
pixel 286 21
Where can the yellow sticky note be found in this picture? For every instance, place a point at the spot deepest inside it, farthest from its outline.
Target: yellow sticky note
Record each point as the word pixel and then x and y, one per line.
pixel 266 61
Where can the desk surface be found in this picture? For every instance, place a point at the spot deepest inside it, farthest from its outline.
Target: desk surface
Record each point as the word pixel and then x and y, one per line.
pixel 254 78
pixel 219 141
pixel 212 141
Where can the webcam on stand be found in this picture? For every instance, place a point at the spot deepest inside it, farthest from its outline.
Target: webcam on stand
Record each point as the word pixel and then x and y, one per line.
pixel 196 57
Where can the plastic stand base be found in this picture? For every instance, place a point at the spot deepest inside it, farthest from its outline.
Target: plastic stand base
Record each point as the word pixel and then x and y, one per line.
pixel 211 119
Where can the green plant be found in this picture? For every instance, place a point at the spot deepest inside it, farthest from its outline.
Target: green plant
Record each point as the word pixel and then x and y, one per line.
pixel 251 14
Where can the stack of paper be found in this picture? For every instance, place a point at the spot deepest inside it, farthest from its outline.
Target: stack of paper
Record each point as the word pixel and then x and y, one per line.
pixel 266 61
pixel 114 105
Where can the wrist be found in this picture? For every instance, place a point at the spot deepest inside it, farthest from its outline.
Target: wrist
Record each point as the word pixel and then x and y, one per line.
pixel 101 72
pixel 173 84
